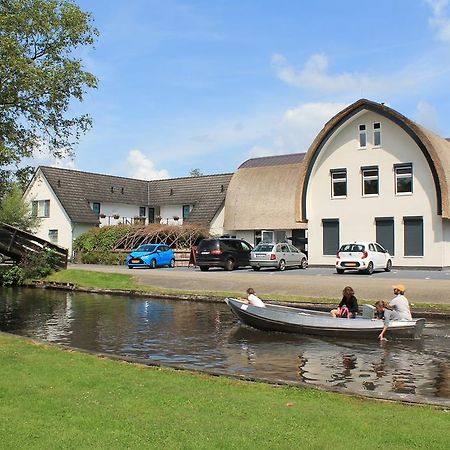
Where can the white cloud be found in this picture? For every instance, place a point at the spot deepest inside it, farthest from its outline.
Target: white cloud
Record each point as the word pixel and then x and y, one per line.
pixel 42 156
pixel 440 20
pixel 315 75
pixel 427 116
pixel 141 167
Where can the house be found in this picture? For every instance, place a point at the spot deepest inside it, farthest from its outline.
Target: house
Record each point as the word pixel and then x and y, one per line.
pixel 70 201
pixel 370 174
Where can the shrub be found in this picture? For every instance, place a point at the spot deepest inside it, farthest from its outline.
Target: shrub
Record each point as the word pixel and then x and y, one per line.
pixel 40 264
pixel 14 276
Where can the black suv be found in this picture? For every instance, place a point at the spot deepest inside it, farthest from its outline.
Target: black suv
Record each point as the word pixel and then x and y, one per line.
pixel 228 253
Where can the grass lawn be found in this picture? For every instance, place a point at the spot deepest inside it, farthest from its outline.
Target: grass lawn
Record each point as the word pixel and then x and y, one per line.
pixel 102 280
pixel 52 398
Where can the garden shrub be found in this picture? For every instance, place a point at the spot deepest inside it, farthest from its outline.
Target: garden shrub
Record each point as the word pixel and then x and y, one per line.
pixel 14 276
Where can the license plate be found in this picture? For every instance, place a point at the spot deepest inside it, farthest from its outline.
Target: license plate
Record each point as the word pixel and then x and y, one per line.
pixel 205 253
pixel 135 261
pixel 260 255
pixel 350 264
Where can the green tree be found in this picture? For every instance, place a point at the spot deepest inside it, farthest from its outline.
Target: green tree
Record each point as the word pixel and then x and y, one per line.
pixel 195 173
pixel 41 75
pixel 15 211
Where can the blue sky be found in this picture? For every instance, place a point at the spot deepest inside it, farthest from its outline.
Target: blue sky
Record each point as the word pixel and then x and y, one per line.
pixel 209 84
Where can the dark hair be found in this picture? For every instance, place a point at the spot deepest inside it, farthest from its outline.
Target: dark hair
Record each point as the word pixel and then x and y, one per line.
pixel 380 303
pixel 250 291
pixel 348 291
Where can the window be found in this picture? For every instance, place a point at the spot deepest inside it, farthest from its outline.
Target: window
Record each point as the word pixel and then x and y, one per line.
pixel 413 235
pixel 370 181
pixel 377 134
pixel 53 236
pixel 142 211
pixel 96 207
pixel 186 211
pixel 284 248
pixel 151 215
pixel 403 179
pixel 338 183
pixel 330 242
pixel 362 136
pixel 40 208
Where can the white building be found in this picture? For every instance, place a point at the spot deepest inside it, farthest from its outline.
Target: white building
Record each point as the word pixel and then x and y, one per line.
pixel 69 202
pixel 370 174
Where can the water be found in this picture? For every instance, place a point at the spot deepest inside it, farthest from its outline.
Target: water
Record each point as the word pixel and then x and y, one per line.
pixel 206 336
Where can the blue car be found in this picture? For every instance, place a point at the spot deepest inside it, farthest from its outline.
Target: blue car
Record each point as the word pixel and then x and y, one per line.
pixel 151 255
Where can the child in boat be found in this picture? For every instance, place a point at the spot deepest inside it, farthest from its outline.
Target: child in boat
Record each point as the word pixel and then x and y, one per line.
pixel 254 300
pixel 380 306
pixel 349 305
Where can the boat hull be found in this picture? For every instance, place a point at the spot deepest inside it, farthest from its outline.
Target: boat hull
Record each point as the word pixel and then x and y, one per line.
pixel 294 320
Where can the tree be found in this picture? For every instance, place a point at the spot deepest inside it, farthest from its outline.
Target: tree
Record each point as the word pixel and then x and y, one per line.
pixel 15 211
pixel 40 77
pixel 195 173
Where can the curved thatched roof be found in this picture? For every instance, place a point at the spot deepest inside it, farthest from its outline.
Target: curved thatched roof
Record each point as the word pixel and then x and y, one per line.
pixel 261 194
pixel 435 149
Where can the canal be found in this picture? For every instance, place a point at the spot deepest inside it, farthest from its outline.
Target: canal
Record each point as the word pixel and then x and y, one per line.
pixel 206 336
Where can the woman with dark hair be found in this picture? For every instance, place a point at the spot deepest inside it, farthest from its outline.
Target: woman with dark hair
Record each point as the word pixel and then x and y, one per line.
pixel 348 306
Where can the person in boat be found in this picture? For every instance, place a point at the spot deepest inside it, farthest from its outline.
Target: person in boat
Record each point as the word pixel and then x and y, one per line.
pixel 349 305
pixel 253 299
pixel 380 307
pixel 397 309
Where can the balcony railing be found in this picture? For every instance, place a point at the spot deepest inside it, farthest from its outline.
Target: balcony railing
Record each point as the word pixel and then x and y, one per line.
pixel 122 220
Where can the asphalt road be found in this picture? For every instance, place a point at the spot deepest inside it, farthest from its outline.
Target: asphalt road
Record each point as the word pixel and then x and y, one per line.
pixel 422 286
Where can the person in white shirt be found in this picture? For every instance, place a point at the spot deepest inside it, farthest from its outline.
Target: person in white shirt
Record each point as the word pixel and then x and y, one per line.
pixel 254 300
pixel 398 309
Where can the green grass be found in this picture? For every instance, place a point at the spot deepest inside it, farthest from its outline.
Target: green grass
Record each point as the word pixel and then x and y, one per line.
pixel 102 280
pixel 52 398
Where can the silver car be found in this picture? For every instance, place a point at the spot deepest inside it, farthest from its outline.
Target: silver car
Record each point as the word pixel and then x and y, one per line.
pixel 277 255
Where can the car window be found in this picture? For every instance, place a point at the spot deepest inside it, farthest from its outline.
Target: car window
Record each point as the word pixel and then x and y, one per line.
pixel 263 248
pixel 208 244
pixel 372 248
pixel 380 248
pixel 294 249
pixel 146 248
pixel 278 249
pixel 246 247
pixel 352 248
pixel 285 248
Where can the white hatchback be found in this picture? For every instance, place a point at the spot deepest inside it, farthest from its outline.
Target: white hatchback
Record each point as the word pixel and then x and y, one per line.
pixel 363 256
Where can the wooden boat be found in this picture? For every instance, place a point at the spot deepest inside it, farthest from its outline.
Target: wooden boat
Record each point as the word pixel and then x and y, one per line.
pixel 296 320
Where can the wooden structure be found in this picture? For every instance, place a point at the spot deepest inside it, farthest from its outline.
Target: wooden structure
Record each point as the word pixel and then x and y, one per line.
pixel 17 244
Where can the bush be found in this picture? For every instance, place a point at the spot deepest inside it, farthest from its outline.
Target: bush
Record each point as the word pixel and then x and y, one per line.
pixel 14 276
pixel 108 258
pixel 40 264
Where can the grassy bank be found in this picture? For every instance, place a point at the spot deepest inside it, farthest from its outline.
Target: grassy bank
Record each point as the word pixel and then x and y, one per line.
pixel 103 280
pixel 58 399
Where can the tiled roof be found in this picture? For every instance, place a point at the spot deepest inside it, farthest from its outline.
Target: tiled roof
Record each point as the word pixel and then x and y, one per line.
pixel 206 193
pixel 279 160
pixel 75 189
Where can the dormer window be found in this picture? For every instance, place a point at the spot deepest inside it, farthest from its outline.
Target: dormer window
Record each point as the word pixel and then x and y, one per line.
pixel 362 136
pixel 377 134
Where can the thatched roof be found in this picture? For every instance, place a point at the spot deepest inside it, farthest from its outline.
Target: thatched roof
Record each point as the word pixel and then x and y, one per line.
pixel 435 149
pixel 261 194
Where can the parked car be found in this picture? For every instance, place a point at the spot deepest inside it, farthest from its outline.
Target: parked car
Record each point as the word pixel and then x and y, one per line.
pixel 280 255
pixel 363 256
pixel 229 253
pixel 151 255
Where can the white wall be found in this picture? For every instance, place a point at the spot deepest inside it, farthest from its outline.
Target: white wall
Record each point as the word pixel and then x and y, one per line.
pixel 357 213
pixel 216 226
pixel 168 212
pixel 39 189
pixel 446 248
pixel 123 210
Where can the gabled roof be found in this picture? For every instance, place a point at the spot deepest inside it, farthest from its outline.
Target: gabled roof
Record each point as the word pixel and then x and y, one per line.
pixel 76 189
pixel 207 194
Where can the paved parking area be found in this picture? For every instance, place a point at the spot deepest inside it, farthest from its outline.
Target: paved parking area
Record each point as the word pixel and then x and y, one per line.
pixel 422 286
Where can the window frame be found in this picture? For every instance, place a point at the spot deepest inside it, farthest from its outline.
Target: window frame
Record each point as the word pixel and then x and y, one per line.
pixel 335 181
pixel 374 131
pixel 53 236
pixel 362 132
pixel 99 208
pixel 184 209
pixel 142 209
pixel 40 209
pixel 398 176
pixel 365 178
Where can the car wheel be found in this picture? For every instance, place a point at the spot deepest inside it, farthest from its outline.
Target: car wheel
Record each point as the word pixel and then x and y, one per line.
pixel 130 267
pixel 282 265
pixel 229 264
pixel 304 264
pixel 172 263
pixel 388 266
pixel 369 269
pixel 340 271
pixel 256 269
pixel 204 268
pixel 153 264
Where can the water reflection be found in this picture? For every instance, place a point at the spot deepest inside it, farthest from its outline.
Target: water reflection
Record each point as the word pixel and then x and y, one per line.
pixel 207 336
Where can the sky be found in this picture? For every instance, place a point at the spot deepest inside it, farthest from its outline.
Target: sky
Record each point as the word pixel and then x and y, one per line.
pixel 208 84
